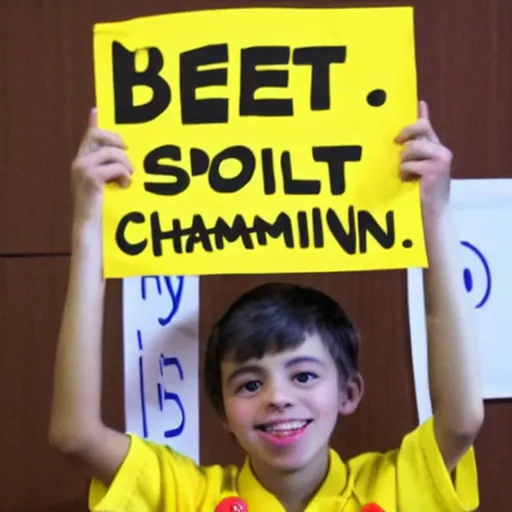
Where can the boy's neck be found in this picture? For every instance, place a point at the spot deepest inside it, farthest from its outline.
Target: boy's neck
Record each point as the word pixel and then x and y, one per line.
pixel 294 489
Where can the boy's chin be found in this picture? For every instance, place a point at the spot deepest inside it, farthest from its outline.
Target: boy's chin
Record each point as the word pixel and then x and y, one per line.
pixel 290 463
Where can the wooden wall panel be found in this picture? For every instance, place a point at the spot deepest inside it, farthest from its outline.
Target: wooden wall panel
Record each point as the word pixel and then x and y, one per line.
pixel 464 50
pixel 32 475
pixel 29 293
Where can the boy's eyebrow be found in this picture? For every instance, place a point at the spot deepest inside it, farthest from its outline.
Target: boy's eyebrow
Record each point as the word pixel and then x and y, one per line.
pixel 304 359
pixel 257 369
pixel 242 370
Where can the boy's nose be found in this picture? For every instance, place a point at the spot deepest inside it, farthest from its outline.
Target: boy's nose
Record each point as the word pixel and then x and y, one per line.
pixel 278 398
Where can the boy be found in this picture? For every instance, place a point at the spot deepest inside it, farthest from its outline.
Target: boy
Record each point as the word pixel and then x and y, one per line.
pixel 281 366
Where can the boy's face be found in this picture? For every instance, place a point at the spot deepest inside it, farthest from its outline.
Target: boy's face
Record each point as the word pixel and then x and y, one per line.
pixel 283 408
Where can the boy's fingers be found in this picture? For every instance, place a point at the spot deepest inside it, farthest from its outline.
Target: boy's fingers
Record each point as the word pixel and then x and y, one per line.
pixel 93 118
pixel 105 138
pixel 110 154
pixel 412 169
pixel 423 112
pixel 86 146
pixel 419 149
pixel 414 130
pixel 420 129
pixel 114 171
pixel 95 139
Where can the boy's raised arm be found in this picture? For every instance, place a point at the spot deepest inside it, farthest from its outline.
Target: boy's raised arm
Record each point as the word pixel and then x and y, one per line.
pixel 76 427
pixel 454 368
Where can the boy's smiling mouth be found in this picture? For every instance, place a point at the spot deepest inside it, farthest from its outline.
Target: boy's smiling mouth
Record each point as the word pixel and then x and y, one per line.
pixel 284 429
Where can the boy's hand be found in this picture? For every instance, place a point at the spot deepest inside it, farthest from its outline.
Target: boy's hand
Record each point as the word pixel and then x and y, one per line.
pixel 424 157
pixel 100 159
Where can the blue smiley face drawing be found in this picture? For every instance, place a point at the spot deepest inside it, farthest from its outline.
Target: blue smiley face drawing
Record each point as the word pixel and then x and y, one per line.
pixel 468 275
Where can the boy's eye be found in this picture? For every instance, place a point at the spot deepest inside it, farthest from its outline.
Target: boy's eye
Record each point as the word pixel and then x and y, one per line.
pixel 305 377
pixel 251 386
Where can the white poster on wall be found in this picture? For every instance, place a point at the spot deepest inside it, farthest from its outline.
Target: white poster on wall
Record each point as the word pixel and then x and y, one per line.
pixel 483 218
pixel 161 358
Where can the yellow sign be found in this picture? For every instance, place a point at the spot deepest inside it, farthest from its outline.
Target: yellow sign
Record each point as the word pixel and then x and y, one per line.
pixel 262 141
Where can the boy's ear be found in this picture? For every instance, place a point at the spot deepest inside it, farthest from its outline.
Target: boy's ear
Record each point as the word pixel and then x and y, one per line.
pixel 351 395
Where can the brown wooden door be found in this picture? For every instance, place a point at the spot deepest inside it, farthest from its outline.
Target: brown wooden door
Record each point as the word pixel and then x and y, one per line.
pixel 464 53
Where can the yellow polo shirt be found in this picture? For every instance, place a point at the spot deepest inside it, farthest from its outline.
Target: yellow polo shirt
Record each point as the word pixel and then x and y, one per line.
pixel 412 478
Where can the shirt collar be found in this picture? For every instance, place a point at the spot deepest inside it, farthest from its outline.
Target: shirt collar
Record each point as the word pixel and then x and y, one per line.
pixel 259 499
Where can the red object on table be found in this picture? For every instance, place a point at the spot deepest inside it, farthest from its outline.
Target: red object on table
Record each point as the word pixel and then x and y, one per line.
pixel 231 504
pixel 372 507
